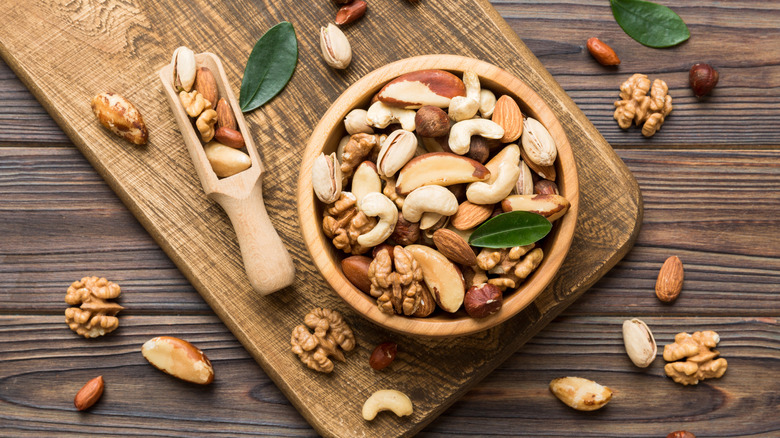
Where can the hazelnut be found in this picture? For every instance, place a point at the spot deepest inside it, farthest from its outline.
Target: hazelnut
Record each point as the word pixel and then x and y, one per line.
pixel 483 300
pixel 703 79
pixel 432 121
pixel 405 233
pixel 383 355
pixel 478 149
pixel 681 434
pixel 546 187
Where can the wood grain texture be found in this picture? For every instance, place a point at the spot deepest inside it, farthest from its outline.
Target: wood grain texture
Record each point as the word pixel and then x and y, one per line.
pixel 157 182
pixel 60 220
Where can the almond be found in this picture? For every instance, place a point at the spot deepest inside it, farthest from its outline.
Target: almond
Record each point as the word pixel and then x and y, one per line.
pixel 225 117
pixel 89 394
pixel 206 85
pixel 355 268
pixel 470 215
pixel 670 280
pixel 507 114
pixel 351 12
pixel 229 137
pixel 178 358
pixel 454 247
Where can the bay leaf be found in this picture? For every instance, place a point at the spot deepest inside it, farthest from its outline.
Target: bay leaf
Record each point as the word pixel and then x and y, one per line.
pixel 269 67
pixel 649 23
pixel 515 228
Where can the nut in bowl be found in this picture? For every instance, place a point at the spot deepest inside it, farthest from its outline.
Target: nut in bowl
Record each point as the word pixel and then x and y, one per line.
pixel 469 174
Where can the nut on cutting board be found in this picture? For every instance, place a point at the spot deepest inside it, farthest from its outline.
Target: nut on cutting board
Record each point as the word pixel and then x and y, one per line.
pixel 267 263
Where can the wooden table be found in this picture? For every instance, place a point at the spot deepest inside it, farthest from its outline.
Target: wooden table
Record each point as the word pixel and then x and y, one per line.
pixel 709 178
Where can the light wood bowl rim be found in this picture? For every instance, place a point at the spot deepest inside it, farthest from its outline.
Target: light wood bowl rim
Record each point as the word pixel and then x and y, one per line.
pixel 326 136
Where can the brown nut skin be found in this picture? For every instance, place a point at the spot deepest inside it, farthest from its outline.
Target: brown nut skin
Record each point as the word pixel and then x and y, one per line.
pixel 89 394
pixel 483 300
pixel 602 52
pixel 478 149
pixel 383 355
pixel 229 137
pixel 355 268
pixel 206 84
pixel 351 12
pixel 225 117
pixel 546 187
pixel 670 280
pixel 432 121
pixel 405 232
pixel 703 78
pixel 681 434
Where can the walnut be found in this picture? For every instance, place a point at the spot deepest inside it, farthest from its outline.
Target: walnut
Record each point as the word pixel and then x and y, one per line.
pixel 635 104
pixel 194 103
pixel 205 124
pixel 398 291
pixel 330 333
pixel 700 358
pixel 95 315
pixel 510 264
pixel 389 191
pixel 343 223
pixel 356 150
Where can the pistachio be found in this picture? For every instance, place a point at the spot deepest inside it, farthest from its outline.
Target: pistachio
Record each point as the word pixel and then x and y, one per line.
pixel 525 184
pixel 355 122
pixel 326 178
pixel 397 149
pixel 183 69
pixel 538 143
pixel 335 47
pixel 639 342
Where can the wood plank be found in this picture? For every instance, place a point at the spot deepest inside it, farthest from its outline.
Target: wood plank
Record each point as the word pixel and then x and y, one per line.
pixel 53 202
pixel 158 185
pixel 750 78
pixel 39 381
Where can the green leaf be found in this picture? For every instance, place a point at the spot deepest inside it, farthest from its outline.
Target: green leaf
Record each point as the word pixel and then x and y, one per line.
pixel 269 67
pixel 649 23
pixel 516 228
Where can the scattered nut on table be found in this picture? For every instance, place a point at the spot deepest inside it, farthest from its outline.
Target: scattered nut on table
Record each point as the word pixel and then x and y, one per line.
pixel 383 355
pixel 89 394
pixel 701 361
pixel 581 394
pixel 602 53
pixel 670 280
pixel 387 400
pixel 639 342
pixel 120 117
pixel 335 47
pixel 178 358
pixel 93 314
pixel 331 336
pixel 635 104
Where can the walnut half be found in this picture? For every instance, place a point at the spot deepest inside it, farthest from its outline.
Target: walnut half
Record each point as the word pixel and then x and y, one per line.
pixel 92 315
pixel 330 333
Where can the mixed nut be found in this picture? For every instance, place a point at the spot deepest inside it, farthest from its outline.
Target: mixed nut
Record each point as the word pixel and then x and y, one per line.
pixel 214 120
pixel 432 158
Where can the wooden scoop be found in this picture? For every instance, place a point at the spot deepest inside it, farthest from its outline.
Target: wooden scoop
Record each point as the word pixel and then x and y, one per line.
pixel 266 261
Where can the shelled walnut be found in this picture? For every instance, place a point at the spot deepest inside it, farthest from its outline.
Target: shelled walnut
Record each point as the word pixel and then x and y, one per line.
pixel 343 223
pixel 359 147
pixel 510 264
pixel 700 358
pixel 92 315
pixel 331 336
pixel 637 106
pixel 396 281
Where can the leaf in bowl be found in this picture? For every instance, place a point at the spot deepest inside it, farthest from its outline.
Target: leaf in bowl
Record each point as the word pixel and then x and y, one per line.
pixel 516 228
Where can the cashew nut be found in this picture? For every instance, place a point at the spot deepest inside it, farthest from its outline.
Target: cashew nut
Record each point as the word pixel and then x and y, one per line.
pixel 504 172
pixel 461 132
pixel 487 103
pixel 387 400
pixel 379 205
pixel 434 199
pixel 381 116
pixel 326 178
pixel 463 108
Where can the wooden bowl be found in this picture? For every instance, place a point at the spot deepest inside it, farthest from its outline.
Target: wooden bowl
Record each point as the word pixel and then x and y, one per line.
pixel 327 258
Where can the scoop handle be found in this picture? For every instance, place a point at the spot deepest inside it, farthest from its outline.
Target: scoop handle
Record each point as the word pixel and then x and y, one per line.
pixel 266 261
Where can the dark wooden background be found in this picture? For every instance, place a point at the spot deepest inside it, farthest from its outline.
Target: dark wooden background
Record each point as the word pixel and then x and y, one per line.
pixel 710 181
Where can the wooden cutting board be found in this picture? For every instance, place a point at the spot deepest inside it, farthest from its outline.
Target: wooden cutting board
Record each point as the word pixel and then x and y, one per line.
pixel 68 51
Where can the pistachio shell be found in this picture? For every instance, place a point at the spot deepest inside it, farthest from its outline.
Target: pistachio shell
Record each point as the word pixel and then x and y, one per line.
pixel 639 342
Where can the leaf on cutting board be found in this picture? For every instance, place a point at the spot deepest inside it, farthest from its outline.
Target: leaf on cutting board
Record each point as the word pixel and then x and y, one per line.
pixel 516 228
pixel 269 67
pixel 649 23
